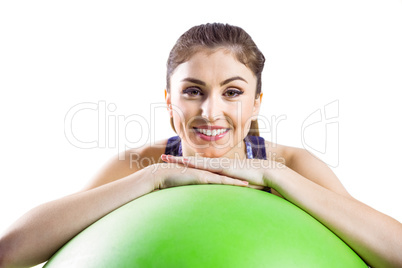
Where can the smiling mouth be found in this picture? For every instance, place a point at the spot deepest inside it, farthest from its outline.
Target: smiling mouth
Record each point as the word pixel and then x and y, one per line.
pixel 211 132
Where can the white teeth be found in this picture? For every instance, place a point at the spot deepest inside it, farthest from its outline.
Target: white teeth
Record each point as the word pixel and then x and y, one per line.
pixel 208 132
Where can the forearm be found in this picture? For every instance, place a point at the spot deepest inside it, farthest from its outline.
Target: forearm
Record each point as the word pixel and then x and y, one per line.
pixel 376 237
pixel 44 229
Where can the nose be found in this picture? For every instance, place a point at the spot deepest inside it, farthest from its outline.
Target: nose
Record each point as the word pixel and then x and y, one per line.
pixel 211 108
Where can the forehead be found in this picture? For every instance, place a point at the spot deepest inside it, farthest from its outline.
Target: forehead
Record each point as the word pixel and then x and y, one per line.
pixel 210 65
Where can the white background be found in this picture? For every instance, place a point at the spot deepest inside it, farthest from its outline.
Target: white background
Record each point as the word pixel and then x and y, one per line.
pixel 55 55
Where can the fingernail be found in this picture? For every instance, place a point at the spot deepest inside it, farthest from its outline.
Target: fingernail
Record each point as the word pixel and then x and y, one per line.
pixel 245 182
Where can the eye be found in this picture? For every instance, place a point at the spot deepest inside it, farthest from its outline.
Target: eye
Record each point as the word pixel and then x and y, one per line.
pixel 231 93
pixel 192 92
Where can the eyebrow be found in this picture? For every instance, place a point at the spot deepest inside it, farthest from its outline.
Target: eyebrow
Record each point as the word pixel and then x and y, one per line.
pixel 195 81
pixel 202 83
pixel 227 81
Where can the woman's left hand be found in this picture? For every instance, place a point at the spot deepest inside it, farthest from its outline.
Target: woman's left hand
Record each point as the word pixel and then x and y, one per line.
pixel 255 171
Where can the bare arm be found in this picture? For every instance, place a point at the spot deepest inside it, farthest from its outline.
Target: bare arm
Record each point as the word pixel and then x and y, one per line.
pixel 373 235
pixel 36 236
pixel 44 229
pixel 376 237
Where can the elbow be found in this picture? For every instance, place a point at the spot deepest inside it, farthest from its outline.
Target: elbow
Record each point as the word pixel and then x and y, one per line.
pixel 398 255
pixel 5 259
pixel 8 253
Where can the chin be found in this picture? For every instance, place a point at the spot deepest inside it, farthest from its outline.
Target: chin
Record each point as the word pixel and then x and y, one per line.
pixel 210 154
pixel 211 149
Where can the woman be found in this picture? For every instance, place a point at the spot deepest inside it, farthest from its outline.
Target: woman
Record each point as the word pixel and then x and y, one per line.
pixel 213 95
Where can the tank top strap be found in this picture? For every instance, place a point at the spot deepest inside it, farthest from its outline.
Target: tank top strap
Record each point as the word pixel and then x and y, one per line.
pixel 255 147
pixel 173 146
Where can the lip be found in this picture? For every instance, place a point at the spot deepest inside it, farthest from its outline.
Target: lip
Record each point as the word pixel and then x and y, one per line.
pixel 210 138
pixel 210 127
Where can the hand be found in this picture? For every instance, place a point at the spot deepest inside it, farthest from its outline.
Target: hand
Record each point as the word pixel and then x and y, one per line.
pixel 254 171
pixel 167 175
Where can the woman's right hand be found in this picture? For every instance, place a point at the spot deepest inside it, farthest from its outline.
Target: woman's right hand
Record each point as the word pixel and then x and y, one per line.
pixel 166 175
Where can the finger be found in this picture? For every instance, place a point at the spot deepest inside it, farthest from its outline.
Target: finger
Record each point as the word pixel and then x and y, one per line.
pixel 216 165
pixel 230 168
pixel 174 159
pixel 195 176
pixel 220 179
pixel 222 166
pixel 165 158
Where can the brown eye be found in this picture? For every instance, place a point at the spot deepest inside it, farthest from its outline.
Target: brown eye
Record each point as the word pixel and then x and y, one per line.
pixel 231 93
pixel 192 92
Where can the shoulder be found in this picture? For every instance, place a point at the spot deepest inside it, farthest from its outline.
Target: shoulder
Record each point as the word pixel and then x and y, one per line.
pixel 144 156
pixel 128 162
pixel 279 153
pixel 292 157
pixel 306 164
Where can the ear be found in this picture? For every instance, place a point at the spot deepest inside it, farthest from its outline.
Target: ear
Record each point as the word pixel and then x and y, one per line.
pixel 168 103
pixel 257 105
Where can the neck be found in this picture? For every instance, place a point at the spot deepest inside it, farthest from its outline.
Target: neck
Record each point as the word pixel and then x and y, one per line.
pixel 238 151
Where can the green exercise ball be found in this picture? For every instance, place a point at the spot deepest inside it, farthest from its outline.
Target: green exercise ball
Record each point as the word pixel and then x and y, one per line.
pixel 206 226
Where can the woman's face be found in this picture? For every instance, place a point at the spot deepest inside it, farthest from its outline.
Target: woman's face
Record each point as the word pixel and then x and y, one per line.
pixel 212 101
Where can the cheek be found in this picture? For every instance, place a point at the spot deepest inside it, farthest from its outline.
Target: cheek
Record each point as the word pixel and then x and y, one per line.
pixel 182 113
pixel 246 123
pixel 242 114
pixel 247 115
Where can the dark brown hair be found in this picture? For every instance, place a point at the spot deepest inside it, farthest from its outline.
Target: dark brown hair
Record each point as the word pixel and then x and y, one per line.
pixel 213 36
